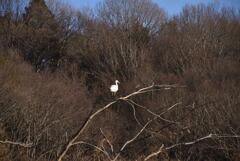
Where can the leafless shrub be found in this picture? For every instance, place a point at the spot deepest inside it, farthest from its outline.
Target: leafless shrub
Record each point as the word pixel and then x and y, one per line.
pixel 41 109
pixel 134 42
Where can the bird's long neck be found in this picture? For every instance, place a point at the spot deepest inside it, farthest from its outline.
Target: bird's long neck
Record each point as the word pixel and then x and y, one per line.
pixel 116 83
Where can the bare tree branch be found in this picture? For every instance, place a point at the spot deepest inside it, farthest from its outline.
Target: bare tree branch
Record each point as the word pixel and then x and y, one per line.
pixel 133 139
pixel 155 153
pixel 82 128
pixel 86 123
pixel 210 136
pixel 94 146
pixel 150 89
pixel 24 145
pixel 134 112
pixel 122 148
pixel 108 141
pixel 153 113
pixel 170 108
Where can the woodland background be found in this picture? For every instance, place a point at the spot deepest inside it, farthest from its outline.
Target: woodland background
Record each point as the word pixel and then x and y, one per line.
pixel 57 64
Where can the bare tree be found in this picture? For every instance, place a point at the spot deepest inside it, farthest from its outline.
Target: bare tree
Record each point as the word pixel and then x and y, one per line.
pixel 13 7
pixel 126 13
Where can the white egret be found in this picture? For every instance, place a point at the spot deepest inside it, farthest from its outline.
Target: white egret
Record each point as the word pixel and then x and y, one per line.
pixel 114 88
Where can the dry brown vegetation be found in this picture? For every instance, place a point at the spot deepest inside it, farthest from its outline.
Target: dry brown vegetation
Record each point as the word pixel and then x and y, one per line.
pixel 179 96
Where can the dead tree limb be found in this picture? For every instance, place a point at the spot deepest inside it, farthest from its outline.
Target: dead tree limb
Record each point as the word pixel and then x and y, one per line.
pixel 24 145
pixel 95 147
pixel 153 113
pixel 81 129
pixel 132 139
pixel 86 123
pixel 108 141
pixel 210 136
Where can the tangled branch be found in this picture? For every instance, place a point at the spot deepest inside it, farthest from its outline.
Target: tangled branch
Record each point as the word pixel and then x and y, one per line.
pixel 125 98
pixel 210 136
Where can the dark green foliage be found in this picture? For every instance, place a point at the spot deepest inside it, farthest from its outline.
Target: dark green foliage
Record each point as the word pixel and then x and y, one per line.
pixel 39 42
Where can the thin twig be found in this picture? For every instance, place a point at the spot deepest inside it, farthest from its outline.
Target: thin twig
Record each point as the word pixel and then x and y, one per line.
pixel 88 120
pixel 134 112
pixel 133 139
pixel 108 141
pixel 25 145
pixel 155 153
pixel 81 129
pixel 153 113
pixel 170 108
pixel 94 146
pixel 210 136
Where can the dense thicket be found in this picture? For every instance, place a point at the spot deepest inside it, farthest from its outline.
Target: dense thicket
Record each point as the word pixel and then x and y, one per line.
pixel 56 66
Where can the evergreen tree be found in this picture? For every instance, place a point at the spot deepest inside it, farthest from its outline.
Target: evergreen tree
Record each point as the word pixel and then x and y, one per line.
pixel 41 43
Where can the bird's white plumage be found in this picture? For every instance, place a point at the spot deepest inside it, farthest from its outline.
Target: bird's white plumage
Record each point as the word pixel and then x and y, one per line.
pixel 114 88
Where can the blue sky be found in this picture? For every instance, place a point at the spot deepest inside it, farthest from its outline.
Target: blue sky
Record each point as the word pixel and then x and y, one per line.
pixel 170 6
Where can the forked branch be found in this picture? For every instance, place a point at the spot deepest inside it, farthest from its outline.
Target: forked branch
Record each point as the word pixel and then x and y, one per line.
pixel 89 119
pixel 210 136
